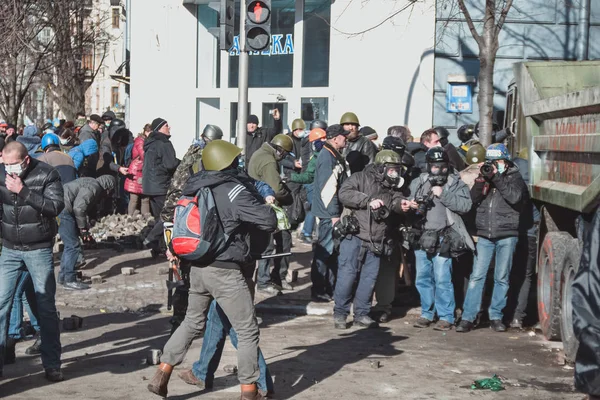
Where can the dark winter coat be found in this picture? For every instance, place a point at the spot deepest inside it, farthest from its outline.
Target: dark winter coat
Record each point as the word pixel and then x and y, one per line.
pixel 160 164
pixel 255 140
pixel 86 132
pixel 358 191
pixel 301 151
pixel 331 172
pixel 82 193
pixel 241 210
pixel 418 151
pixel 263 167
pixel 63 164
pixel 29 218
pixel 133 183
pixel 456 161
pixel 499 211
pixel 112 151
pixel 359 153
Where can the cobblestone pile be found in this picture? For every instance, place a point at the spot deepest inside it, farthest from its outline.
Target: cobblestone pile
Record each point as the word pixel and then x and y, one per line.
pixel 117 226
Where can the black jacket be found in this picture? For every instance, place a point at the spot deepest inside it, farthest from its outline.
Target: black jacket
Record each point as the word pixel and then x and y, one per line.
pixel 456 161
pixel 112 150
pixel 241 209
pixel 418 151
pixel 499 211
pixel 261 135
pixel 357 192
pixel 160 164
pixel 82 193
pixel 29 218
pixel 359 153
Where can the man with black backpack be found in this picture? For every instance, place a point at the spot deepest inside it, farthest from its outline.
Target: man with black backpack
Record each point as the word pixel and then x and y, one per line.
pixel 231 209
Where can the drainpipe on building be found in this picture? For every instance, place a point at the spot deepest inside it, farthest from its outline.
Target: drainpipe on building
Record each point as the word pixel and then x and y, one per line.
pixel 584 30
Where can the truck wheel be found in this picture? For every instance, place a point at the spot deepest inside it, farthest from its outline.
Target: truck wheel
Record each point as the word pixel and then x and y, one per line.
pixel 550 266
pixel 570 268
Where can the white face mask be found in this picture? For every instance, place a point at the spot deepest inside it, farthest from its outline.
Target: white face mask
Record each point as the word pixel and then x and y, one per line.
pixel 64 141
pixel 14 169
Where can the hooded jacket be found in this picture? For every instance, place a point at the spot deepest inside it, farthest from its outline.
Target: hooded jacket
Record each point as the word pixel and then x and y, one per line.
pixel 499 211
pixel 86 133
pixel 359 153
pixel 330 173
pixel 112 150
pixel 263 167
pixel 81 193
pixel 30 140
pixel 85 158
pixel 133 183
pixel 160 164
pixel 29 218
pixel 255 140
pixel 358 191
pixel 241 210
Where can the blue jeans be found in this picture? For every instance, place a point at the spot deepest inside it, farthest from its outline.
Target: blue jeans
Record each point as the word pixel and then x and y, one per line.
pixel 504 250
pixel 69 234
pixel 434 283
pixel 40 265
pixel 24 289
pixel 309 219
pixel 324 264
pixel 217 328
pixel 355 261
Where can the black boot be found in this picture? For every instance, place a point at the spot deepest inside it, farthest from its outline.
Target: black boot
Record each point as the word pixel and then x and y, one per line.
pixel 9 351
pixel 34 349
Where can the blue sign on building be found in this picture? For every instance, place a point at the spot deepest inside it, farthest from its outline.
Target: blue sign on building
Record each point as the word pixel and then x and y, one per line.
pixel 279 46
pixel 459 98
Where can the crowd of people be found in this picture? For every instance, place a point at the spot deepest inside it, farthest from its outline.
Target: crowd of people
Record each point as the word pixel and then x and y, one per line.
pixel 439 212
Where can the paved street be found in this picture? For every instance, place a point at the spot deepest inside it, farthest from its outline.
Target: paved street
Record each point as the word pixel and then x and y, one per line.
pixel 308 358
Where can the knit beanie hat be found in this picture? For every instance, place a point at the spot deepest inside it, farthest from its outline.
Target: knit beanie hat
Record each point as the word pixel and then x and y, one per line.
pixel 157 124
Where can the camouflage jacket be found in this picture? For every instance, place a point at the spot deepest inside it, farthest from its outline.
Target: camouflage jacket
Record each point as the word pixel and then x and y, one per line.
pixel 188 166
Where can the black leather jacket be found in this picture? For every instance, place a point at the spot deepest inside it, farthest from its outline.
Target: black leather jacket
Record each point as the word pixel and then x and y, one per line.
pixel 29 218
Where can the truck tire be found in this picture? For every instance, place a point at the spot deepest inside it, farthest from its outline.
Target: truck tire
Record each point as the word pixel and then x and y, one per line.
pixel 550 266
pixel 570 342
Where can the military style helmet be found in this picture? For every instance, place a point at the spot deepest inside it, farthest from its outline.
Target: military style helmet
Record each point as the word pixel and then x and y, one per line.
pixel 349 118
pixel 437 155
pixel 387 157
pixel 219 154
pixel 283 141
pixel 317 123
pixel 212 132
pixel 475 154
pixel 298 124
pixel 441 131
pixel 50 139
pixel 466 132
pixel 394 143
pixel 497 151
pixel 116 124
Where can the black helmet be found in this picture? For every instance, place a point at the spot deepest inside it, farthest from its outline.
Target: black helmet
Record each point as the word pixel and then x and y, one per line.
pixel 317 123
pixel 116 124
pixel 212 132
pixel 466 132
pixel 436 155
pixel 394 143
pixel 443 134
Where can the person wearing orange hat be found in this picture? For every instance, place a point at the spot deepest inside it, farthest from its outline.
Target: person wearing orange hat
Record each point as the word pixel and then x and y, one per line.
pixel 3 126
pixel 316 138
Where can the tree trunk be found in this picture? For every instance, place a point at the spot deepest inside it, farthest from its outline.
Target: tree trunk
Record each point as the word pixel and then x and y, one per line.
pixel 485 97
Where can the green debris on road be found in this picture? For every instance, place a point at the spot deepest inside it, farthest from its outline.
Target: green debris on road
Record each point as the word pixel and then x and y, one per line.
pixel 494 384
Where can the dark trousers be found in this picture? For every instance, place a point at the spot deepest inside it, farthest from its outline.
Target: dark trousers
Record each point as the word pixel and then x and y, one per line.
pixel 69 234
pixel 324 265
pixel 355 263
pixel 522 275
pixel 155 238
pixel 283 244
pixel 156 205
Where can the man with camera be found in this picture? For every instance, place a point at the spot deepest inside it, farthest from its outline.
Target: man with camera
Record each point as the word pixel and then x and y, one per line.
pixel 331 171
pixel 499 194
pixel 439 196
pixel 370 195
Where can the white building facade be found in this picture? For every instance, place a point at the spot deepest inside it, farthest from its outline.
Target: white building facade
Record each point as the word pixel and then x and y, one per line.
pixel 325 59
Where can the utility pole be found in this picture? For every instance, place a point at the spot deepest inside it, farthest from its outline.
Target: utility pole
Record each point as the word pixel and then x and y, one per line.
pixel 242 82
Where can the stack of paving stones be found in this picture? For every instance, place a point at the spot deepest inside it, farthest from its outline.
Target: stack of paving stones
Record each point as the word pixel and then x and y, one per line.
pixel 116 226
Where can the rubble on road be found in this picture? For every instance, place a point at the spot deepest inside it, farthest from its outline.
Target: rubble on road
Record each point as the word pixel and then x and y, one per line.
pixel 117 226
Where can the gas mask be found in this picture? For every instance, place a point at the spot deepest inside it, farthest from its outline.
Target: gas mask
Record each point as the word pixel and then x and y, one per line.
pixel 280 154
pixel 15 169
pixel 392 174
pixel 317 145
pixel 438 173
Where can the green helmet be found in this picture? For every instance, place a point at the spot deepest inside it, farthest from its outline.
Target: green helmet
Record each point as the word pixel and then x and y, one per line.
pixel 349 118
pixel 283 141
pixel 212 132
pixel 298 124
pixel 388 157
pixel 475 154
pixel 219 154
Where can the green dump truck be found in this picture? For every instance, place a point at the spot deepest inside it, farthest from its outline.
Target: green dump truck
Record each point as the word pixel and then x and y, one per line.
pixel 553 108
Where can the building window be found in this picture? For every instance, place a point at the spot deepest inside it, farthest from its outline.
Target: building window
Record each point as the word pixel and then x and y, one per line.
pixel 317 32
pixel 208 63
pixel 314 108
pixel 87 59
pixel 114 96
pixel 116 16
pixel 272 67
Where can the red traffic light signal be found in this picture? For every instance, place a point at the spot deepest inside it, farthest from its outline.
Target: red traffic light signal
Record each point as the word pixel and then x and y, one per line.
pixel 258 12
pixel 258 24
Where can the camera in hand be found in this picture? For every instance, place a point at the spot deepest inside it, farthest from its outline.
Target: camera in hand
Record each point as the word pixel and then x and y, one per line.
pixel 487 169
pixel 347 225
pixel 380 214
pixel 424 204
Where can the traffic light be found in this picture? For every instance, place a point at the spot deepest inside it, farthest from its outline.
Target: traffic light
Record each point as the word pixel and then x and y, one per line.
pixel 258 24
pixel 226 24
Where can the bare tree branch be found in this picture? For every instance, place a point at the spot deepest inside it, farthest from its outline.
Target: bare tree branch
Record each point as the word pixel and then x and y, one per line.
pixel 503 15
pixel 467 14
